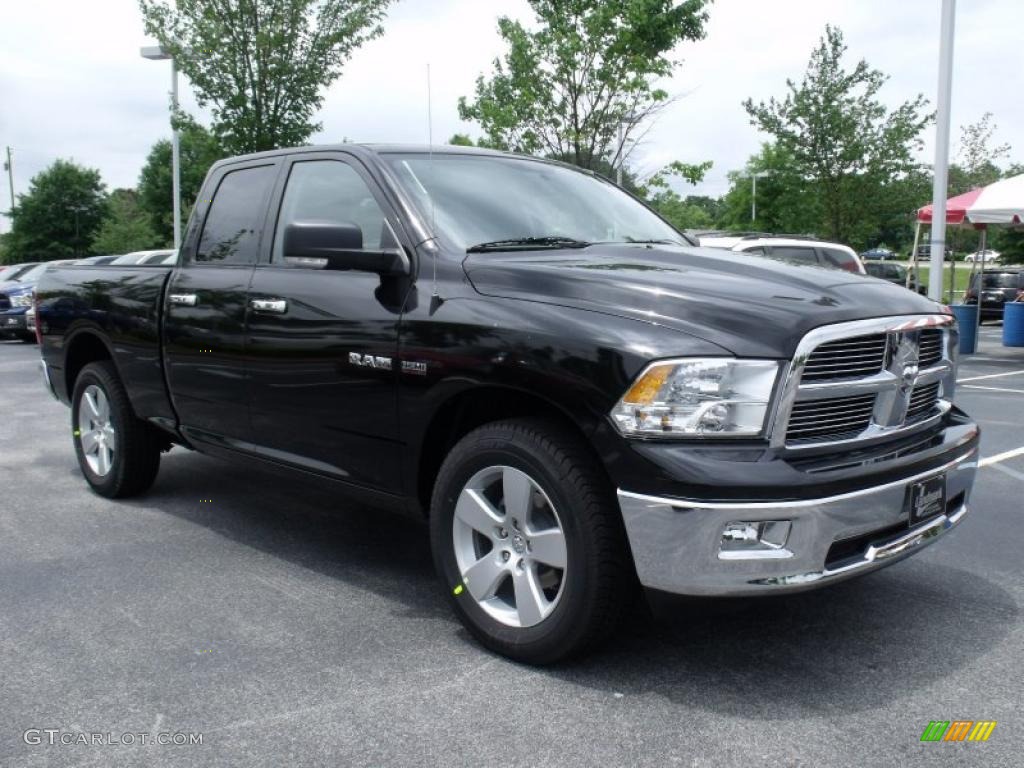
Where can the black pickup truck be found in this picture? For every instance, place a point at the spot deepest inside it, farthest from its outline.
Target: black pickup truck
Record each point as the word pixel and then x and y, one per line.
pixel 580 399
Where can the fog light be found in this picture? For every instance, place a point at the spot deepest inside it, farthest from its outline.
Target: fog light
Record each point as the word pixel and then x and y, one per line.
pixel 757 539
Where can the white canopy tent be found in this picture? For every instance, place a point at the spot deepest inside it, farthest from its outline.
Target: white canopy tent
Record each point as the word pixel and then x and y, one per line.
pixel 1000 203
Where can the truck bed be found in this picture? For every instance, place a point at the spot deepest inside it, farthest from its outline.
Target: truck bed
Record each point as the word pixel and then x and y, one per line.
pixel 124 303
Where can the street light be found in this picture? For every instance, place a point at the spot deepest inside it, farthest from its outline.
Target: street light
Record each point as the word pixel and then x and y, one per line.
pixel 159 53
pixel 753 191
pixel 627 119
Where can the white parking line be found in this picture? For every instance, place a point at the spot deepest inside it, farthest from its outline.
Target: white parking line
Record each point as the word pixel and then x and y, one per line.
pixel 1008 471
pixel 994 389
pixel 1001 457
pixel 991 376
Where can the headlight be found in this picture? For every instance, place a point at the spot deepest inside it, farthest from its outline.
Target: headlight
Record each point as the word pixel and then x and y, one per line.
pixel 21 300
pixel 698 397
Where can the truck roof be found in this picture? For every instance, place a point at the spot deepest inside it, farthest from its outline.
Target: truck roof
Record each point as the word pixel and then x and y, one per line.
pixel 379 148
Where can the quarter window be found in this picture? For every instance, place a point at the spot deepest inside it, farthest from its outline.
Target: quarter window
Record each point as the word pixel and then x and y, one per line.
pixel 329 191
pixel 231 233
pixel 840 259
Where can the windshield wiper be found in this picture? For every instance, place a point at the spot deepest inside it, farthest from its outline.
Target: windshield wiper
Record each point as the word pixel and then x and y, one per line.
pixel 651 242
pixel 527 243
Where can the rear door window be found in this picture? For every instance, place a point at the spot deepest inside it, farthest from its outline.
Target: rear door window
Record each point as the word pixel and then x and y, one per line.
pixel 231 233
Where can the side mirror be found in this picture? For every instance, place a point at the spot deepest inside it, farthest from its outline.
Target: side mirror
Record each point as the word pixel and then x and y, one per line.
pixel 340 246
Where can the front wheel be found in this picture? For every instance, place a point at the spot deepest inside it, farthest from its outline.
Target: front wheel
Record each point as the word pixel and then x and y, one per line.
pixel 118 453
pixel 528 540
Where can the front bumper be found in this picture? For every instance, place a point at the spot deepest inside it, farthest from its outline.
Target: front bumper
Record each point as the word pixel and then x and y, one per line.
pixel 12 323
pixel 676 542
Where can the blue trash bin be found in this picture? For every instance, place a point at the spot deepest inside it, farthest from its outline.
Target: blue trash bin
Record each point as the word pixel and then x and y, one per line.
pixel 1013 324
pixel 967 320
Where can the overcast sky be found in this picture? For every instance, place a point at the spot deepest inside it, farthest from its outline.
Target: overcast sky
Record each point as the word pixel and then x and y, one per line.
pixel 72 83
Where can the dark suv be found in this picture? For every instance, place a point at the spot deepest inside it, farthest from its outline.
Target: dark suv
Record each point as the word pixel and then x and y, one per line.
pixel 998 286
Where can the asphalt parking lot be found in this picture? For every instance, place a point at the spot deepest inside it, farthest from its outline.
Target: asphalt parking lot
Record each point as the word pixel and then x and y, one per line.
pixel 253 609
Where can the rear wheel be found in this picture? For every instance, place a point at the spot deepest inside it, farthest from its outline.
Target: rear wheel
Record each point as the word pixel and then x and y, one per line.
pixel 528 540
pixel 118 453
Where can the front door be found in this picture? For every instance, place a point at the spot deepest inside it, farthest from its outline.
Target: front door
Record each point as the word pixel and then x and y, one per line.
pixel 322 343
pixel 206 304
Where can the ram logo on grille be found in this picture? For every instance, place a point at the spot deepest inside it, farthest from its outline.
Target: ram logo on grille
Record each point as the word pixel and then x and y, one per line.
pixel 905 366
pixel 870 383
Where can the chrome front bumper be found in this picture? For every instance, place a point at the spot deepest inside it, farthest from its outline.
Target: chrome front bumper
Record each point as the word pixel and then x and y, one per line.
pixel 676 542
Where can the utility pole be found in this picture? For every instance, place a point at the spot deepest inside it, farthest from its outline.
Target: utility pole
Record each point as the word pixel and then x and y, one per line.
pixel 9 167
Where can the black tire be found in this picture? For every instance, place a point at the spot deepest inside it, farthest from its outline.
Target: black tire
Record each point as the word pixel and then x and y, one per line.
pixel 136 459
pixel 599 573
pixel 28 338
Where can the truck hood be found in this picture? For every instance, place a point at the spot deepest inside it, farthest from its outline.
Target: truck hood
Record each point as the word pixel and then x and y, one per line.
pixel 749 305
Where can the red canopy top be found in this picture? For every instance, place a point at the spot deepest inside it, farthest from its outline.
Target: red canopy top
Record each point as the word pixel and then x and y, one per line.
pixel 956 208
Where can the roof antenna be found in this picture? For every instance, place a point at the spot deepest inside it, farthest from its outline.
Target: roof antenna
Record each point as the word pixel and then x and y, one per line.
pixel 435 298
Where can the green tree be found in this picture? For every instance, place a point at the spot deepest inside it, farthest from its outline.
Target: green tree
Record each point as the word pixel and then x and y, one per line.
pixel 663 197
pixel 461 140
pixel 60 214
pixel 198 150
pixel 126 227
pixel 843 140
pixel 585 68
pixel 977 159
pixel 787 202
pixel 261 65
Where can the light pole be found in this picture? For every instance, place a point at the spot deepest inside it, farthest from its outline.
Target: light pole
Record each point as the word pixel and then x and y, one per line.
pixel 626 120
pixel 159 53
pixel 753 192
pixel 9 167
pixel 939 186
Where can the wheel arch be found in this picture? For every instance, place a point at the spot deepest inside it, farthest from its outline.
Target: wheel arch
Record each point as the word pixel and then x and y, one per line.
pixel 83 348
pixel 464 411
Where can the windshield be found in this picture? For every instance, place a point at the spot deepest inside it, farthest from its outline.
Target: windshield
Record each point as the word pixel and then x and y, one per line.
pixel 479 199
pixel 994 280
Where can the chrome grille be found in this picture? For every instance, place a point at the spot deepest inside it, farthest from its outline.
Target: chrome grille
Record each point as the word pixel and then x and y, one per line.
pixel 922 400
pixel 831 418
pixel 853 382
pixel 847 358
pixel 930 347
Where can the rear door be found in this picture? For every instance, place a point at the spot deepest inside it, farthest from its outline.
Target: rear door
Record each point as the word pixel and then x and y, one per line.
pixel 322 344
pixel 206 303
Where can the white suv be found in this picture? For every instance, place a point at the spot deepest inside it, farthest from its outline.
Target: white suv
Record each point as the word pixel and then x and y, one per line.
pixel 794 249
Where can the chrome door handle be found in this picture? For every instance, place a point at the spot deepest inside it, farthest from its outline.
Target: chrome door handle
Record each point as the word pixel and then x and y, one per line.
pixel 185 299
pixel 277 306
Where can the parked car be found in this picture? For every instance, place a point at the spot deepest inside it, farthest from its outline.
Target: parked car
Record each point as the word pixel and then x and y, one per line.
pixel 879 254
pixel 574 395
pixel 146 258
pixel 96 260
pixel 16 298
pixel 924 253
pixel 982 256
pixel 11 274
pixel 998 286
pixel 802 250
pixel 894 273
